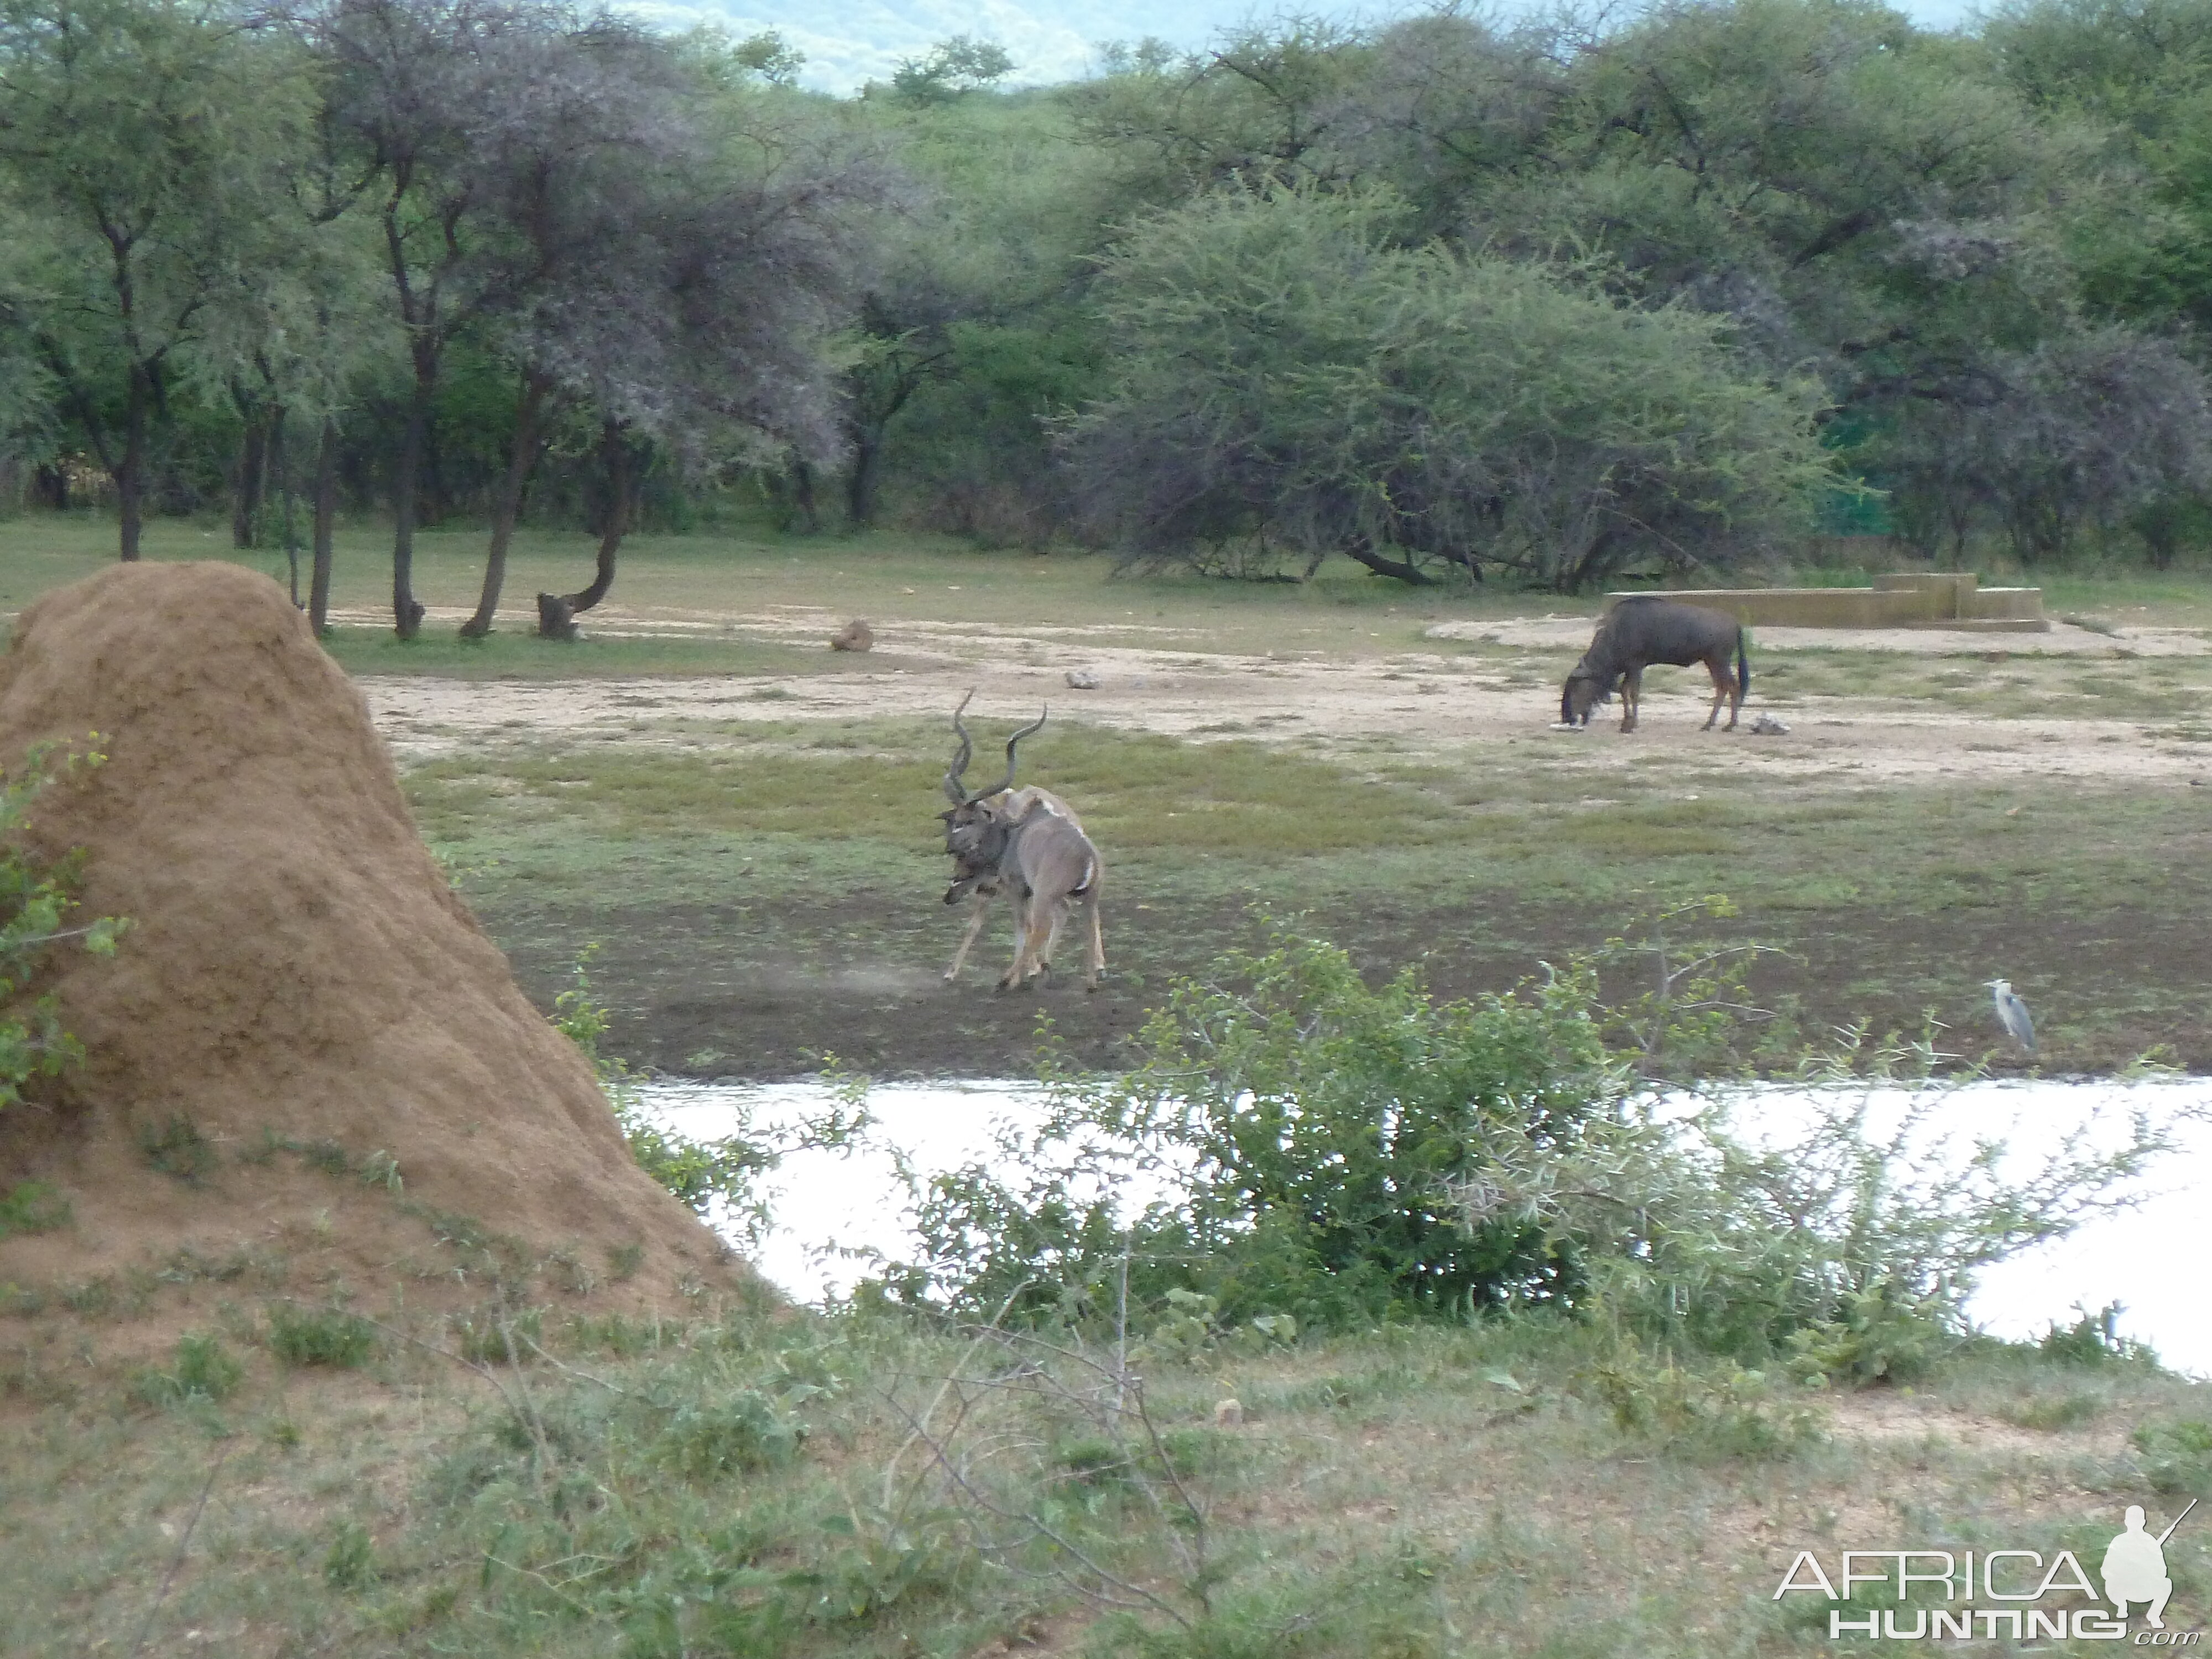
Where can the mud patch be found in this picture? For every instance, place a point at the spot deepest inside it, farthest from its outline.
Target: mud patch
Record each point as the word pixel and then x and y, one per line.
pixel 702 991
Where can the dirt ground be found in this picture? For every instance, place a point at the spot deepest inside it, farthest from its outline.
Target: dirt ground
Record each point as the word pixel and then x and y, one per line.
pixel 1419 700
pixel 711 1006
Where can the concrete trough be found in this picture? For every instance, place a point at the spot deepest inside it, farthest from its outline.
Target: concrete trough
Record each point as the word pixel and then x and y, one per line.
pixel 1942 598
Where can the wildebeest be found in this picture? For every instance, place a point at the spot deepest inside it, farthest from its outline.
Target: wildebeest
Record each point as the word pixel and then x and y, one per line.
pixel 1642 631
pixel 1028 843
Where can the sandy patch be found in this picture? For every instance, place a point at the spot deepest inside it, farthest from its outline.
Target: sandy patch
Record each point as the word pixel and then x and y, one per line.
pixel 1411 706
pixel 2063 639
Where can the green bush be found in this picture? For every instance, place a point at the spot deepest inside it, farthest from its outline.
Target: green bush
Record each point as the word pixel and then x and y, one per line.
pixel 2177 1456
pixel 35 899
pixel 319 1336
pixel 1347 1155
pixel 178 1150
pixel 495 1339
pixel 2094 1339
pixel 32 1207
pixel 705 1439
pixel 1313 1127
pixel 1875 1338
pixel 351 1562
pixel 206 1369
pixel 1727 1412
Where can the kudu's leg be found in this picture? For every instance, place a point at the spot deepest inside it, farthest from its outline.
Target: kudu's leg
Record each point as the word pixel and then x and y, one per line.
pixel 1052 935
pixel 1034 935
pixel 1098 939
pixel 1723 682
pixel 1631 689
pixel 979 908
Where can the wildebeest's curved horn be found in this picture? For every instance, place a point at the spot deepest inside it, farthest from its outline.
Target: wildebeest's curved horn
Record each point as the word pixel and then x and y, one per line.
pixel 1007 782
pixel 953 791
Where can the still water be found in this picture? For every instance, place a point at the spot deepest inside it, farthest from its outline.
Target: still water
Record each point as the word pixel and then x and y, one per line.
pixel 2155 1259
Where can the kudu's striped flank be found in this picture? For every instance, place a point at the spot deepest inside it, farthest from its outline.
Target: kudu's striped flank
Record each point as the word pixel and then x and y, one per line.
pixel 1028 844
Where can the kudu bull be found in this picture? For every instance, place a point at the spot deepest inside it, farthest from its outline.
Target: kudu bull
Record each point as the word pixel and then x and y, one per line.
pixel 1028 843
pixel 1641 631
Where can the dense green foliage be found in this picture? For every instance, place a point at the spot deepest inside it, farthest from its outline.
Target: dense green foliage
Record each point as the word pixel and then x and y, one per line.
pixel 1551 299
pixel 1295 1149
pixel 36 897
pixel 1308 1131
pixel 1285 370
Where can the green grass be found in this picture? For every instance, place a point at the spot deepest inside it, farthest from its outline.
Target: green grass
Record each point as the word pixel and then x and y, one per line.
pixel 1146 793
pixel 522 656
pixel 746 1485
pixel 1535 823
pixel 885 576
pixel 821 848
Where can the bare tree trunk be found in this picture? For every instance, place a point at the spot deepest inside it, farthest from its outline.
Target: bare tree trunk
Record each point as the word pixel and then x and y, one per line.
pixel 279 475
pixel 557 612
pixel 1359 548
pixel 861 485
pixel 246 486
pixel 529 408
pixel 326 508
pixel 130 477
pixel 804 516
pixel 406 612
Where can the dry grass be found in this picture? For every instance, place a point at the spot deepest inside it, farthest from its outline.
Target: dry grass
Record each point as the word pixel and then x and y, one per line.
pixel 1413 1492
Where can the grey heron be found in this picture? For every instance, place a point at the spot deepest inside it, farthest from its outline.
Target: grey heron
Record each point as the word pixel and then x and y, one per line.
pixel 2012 1014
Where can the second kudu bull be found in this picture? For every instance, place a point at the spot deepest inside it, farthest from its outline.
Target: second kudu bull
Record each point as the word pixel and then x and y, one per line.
pixel 1640 631
pixel 1028 844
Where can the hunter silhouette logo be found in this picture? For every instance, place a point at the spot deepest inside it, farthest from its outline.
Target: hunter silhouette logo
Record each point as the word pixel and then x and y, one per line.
pixel 2134 1566
pixel 2134 1574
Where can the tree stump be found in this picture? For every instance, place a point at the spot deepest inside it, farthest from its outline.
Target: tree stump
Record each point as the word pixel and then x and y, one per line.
pixel 556 619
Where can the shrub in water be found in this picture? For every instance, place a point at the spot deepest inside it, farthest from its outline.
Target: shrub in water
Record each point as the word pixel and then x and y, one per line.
pixel 1349 1156
pixel 1317 1125
pixel 702 1173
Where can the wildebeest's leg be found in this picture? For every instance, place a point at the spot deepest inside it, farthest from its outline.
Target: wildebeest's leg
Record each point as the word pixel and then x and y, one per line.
pixel 979 908
pixel 1632 690
pixel 1723 684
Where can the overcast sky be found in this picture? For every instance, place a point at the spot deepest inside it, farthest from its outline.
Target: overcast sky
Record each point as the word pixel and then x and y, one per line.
pixel 848 42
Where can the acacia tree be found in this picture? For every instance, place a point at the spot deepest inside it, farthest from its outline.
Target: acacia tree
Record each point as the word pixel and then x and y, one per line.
pixel 141 147
pixel 705 331
pixel 905 344
pixel 1285 374
pixel 2103 426
pixel 290 335
pixel 421 87
pixel 568 185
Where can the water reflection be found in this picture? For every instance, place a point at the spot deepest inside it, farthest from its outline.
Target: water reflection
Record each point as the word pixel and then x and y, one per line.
pixel 2145 1258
